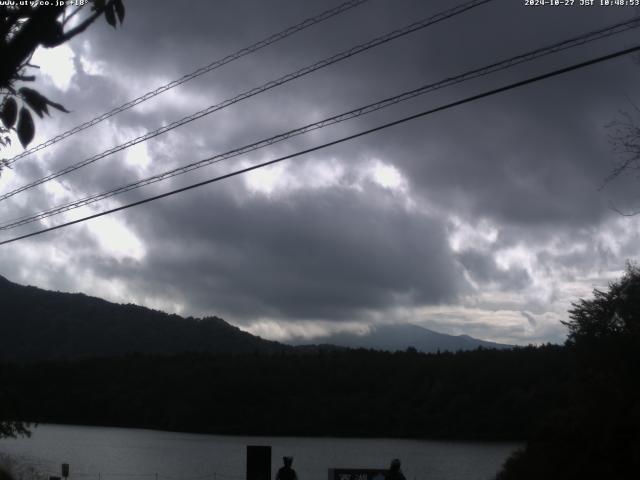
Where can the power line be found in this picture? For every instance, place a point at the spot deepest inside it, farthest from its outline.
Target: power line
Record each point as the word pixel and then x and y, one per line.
pixel 257 90
pixel 341 140
pixel 196 73
pixel 469 75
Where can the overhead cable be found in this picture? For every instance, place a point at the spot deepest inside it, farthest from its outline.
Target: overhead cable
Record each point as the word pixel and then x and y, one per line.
pixel 470 99
pixel 190 76
pixel 372 107
pixel 257 90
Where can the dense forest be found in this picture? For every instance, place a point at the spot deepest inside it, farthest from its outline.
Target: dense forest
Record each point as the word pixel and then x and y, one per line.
pixel 597 432
pixel 489 394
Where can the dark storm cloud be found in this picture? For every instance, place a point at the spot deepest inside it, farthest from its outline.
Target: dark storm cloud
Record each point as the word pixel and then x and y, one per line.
pixel 516 167
pixel 329 254
pixel 512 157
pixel 528 162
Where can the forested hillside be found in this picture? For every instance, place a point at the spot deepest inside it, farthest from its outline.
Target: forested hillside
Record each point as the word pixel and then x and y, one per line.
pixel 490 394
pixel 37 324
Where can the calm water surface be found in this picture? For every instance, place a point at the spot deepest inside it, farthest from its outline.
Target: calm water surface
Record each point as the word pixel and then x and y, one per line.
pixel 97 453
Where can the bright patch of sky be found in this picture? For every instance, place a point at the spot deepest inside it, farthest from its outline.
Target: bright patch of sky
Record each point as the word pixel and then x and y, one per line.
pixel 56 64
pixel 138 157
pixel 387 176
pixel 282 178
pixel 465 235
pixel 282 331
pixel 116 239
pixel 89 65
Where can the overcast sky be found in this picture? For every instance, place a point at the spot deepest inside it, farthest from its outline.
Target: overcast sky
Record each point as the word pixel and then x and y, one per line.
pixel 487 219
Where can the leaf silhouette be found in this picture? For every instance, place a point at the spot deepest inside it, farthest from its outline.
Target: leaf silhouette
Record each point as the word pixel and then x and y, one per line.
pixel 39 102
pixel 35 100
pixel 26 129
pixel 51 34
pixel 110 15
pixel 9 113
pixel 119 6
pixel 57 106
pixel 98 5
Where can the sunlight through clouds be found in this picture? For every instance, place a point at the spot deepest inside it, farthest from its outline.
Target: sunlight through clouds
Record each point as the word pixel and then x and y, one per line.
pixel 388 176
pixel 287 178
pixel 465 235
pixel 115 239
pixel 57 64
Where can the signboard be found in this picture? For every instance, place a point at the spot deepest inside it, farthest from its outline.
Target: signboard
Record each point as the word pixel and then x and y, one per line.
pixel 357 474
pixel 258 462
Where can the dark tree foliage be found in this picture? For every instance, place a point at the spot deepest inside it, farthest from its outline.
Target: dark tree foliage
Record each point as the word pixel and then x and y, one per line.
pixel 10 425
pixel 13 428
pixel 598 434
pixel 25 26
pixel 5 475
pixel 482 394
pixel 611 314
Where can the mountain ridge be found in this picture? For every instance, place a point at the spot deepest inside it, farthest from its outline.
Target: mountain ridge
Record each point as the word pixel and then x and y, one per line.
pixel 400 337
pixel 43 325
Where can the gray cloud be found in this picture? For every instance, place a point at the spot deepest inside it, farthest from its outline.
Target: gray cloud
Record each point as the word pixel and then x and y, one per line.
pixel 328 254
pixel 483 269
pixel 530 318
pixel 525 166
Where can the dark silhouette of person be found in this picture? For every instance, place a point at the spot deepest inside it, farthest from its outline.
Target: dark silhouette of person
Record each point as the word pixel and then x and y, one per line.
pixel 286 472
pixel 394 472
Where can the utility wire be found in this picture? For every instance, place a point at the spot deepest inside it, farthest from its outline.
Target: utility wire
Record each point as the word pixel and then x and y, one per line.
pixel 196 73
pixel 470 99
pixel 494 67
pixel 257 90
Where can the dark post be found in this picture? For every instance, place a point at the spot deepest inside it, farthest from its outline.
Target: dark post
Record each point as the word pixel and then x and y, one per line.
pixel 258 462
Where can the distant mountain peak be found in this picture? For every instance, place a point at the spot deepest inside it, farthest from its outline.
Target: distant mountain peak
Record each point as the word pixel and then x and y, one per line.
pixel 399 337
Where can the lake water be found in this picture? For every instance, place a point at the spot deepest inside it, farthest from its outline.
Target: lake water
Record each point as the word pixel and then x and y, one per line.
pixel 97 453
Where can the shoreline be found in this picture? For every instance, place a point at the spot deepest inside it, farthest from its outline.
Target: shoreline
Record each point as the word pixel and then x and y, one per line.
pixel 470 440
pixel 99 453
pixel 18 468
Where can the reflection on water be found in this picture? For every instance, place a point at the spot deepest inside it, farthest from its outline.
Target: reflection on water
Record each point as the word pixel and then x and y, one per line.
pixel 97 453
